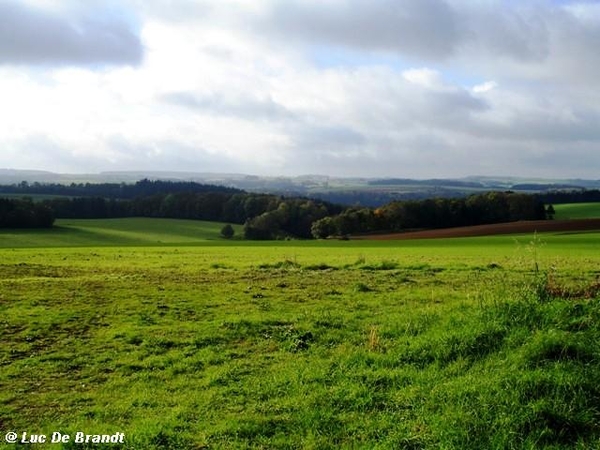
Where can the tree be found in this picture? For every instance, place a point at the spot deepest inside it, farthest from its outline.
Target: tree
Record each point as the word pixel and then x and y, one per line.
pixel 550 212
pixel 323 228
pixel 227 231
pixel 24 213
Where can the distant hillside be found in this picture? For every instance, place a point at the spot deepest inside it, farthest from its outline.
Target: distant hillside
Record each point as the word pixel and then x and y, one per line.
pixel 363 191
pixel 135 231
pixel 141 188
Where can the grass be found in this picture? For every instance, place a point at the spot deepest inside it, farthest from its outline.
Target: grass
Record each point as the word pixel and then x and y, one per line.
pixel 577 211
pixel 111 232
pixel 449 344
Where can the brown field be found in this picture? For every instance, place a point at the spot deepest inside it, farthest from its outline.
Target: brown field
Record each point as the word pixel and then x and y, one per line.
pixel 493 229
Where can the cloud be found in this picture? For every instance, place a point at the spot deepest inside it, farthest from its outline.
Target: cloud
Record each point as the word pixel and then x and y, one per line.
pixel 535 40
pixel 484 87
pixel 33 35
pixel 517 33
pixel 426 28
pixel 45 152
pixel 167 154
pixel 244 107
pixel 419 88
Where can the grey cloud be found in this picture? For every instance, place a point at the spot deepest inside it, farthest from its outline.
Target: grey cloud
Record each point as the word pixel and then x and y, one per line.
pixel 428 28
pixel 453 109
pixel 30 36
pixel 576 42
pixel 325 148
pixel 530 159
pixel 558 123
pixel 578 160
pixel 538 40
pixel 168 154
pixel 331 139
pixel 42 151
pixel 500 31
pixel 433 29
pixel 244 107
pixel 412 154
pixel 402 105
pixel 38 150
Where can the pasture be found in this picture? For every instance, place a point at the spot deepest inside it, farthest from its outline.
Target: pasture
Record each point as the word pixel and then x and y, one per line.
pixel 180 339
pixel 577 211
pixel 115 232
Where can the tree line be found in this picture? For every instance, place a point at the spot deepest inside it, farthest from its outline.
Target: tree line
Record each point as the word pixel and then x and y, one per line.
pixel 268 216
pixel 24 213
pixel 141 188
pixel 572 196
pixel 477 209
pixel 264 216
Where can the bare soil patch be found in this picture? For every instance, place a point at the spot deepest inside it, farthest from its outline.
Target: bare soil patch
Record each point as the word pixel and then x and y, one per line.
pixel 526 226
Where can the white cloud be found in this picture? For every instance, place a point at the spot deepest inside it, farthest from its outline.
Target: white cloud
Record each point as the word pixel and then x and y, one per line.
pixel 426 88
pixel 484 87
pixel 424 77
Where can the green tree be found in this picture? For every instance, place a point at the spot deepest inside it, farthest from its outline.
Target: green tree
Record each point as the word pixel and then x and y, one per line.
pixel 227 231
pixel 323 228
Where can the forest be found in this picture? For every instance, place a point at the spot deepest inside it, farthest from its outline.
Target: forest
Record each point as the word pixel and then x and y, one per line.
pixel 120 191
pixel 269 216
pixel 477 209
pixel 24 213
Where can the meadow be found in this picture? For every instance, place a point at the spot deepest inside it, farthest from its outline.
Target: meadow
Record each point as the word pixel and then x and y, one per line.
pixel 179 339
pixel 577 211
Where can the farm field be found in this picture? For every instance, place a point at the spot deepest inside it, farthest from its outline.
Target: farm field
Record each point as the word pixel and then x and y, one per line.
pixel 113 232
pixel 577 211
pixel 515 228
pixel 182 340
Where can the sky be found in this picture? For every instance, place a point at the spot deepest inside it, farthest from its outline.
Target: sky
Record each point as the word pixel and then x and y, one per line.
pixel 369 88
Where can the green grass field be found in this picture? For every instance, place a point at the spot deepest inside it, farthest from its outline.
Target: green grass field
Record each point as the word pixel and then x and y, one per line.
pixel 116 232
pixel 577 211
pixel 182 340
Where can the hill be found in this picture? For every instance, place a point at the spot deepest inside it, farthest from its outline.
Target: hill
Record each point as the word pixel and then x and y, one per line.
pixel 364 191
pixel 577 211
pixel 116 232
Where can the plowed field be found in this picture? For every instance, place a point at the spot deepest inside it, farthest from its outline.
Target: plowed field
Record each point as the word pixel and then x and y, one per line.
pixel 532 226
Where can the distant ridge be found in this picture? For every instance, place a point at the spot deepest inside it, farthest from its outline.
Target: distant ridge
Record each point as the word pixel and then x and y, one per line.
pixel 355 191
pixel 31 175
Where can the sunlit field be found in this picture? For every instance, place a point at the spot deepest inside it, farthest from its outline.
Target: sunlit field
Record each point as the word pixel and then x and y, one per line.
pixel 577 211
pixel 177 338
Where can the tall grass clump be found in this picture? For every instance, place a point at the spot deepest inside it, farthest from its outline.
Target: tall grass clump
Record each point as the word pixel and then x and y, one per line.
pixel 525 373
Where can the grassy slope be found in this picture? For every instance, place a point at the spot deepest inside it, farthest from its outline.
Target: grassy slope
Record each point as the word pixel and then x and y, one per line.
pixel 110 232
pixel 424 344
pixel 577 211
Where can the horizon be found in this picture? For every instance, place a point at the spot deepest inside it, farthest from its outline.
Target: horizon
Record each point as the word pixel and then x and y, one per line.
pixel 207 177
pixel 415 89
